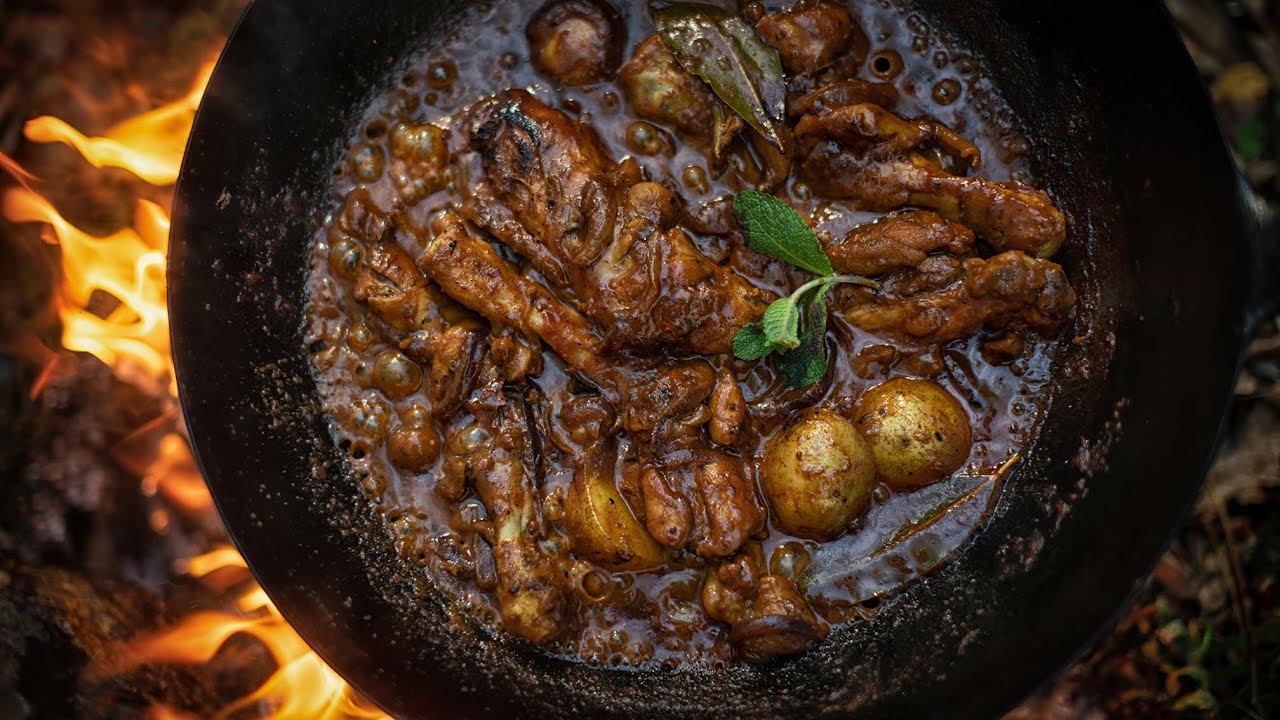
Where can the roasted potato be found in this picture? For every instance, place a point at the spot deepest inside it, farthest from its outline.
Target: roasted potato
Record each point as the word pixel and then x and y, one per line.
pixel 599 523
pixel 818 475
pixel 918 431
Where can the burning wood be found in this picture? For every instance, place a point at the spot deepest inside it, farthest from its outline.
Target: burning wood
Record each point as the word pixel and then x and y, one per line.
pixel 125 272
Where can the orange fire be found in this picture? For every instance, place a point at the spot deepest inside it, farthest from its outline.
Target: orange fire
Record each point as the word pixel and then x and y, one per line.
pixel 132 337
pixel 302 687
pixel 149 146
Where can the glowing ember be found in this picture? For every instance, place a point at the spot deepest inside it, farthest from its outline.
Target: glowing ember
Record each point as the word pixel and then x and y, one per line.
pixel 133 339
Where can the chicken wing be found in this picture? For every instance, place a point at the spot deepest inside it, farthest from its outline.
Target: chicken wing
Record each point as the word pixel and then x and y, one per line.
pixel 1010 290
pixel 544 186
pixel 898 241
pixel 864 153
pixel 532 595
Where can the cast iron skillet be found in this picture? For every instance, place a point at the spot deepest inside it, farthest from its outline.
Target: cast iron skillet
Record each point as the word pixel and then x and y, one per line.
pixel 1164 252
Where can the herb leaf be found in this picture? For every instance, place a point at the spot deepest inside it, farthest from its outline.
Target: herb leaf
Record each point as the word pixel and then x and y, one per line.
pixel 794 327
pixel 807 363
pixel 781 323
pixel 773 228
pixel 750 343
pixel 728 55
pixel 890 553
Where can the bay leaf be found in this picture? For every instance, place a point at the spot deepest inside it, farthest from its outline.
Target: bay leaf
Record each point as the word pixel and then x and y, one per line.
pixel 889 552
pixel 728 55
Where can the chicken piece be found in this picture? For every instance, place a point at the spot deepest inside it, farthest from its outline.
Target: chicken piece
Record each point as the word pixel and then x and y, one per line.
pixel 728 512
pixel 654 288
pixel 866 154
pixel 540 182
pixel 667 513
pixel 399 295
pixel 1010 290
pixel 703 500
pixel 576 42
pixel 810 35
pixel 516 357
pixel 473 274
pixel 768 616
pixel 658 89
pixel 531 593
pixel 881 134
pixel 545 188
pixel 850 91
pixel 423 322
pixel 898 241
pixel 781 623
pixel 456 359
pixel 666 395
pixel 729 414
pixel 692 495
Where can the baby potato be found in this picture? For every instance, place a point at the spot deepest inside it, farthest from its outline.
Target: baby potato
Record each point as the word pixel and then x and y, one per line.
pixel 818 475
pixel 918 431
pixel 600 525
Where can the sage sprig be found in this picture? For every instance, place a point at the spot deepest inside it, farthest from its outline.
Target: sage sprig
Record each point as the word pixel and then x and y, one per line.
pixel 795 327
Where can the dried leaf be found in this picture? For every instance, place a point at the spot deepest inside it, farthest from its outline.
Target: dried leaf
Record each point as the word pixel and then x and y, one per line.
pixel 895 549
pixel 728 55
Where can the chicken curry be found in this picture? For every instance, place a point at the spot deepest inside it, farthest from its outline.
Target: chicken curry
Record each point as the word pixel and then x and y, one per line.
pixel 572 339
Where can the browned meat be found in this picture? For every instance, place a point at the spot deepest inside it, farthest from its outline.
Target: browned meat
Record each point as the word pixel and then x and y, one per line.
pixel 844 92
pixel 810 35
pixel 729 415
pixel 781 623
pixel 728 511
pixel 471 272
pixel 702 499
pixel 658 89
pixel 668 515
pixel 421 320
pixel 866 154
pixel 880 134
pixel 898 241
pixel 576 42
pixel 540 182
pixel 1011 290
pixel 654 288
pixel 668 392
pixel 399 295
pixel 768 616
pixel 532 596
pixel 545 187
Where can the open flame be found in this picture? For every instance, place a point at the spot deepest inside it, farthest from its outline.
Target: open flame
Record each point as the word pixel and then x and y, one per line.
pixel 132 337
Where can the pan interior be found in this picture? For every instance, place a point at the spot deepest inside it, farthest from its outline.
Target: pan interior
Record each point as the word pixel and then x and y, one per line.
pixel 1085 516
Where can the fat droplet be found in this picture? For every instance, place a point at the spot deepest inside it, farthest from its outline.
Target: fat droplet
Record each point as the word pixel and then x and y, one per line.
pixel 947 91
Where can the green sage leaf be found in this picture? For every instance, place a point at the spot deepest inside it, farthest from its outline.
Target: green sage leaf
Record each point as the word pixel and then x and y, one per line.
pixel 781 323
pixel 807 363
pixel 773 228
pixel 750 343
pixel 728 55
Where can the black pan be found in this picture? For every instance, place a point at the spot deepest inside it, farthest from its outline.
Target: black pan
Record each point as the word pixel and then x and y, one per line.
pixel 1166 251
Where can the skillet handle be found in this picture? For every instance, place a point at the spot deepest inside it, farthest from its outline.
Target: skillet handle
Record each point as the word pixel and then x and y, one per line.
pixel 1266 247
